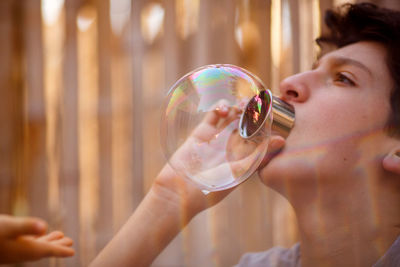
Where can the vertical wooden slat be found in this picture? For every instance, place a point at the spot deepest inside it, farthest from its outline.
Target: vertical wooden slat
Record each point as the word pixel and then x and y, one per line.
pixel 13 183
pixel 104 225
pixel 35 136
pixel 69 170
pixel 308 32
pixel 125 189
pixel 88 135
pixel 275 41
pixel 173 254
pixel 137 47
pixel 53 45
pixel 153 86
pixel 8 102
pixel 35 109
pixel 35 162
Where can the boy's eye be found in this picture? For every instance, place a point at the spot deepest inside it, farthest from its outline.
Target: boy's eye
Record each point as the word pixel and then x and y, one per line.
pixel 343 78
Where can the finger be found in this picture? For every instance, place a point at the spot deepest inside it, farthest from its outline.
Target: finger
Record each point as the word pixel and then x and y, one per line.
pixel 215 121
pixel 65 241
pixel 276 142
pixel 27 249
pixel 233 114
pixel 55 235
pixel 221 109
pixel 15 226
pixel 275 145
pixel 391 162
pixel 51 249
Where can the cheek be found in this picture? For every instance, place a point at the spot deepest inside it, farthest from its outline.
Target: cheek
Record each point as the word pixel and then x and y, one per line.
pixel 345 117
pixel 339 158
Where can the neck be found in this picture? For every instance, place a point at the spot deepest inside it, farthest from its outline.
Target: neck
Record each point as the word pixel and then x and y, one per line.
pixel 353 224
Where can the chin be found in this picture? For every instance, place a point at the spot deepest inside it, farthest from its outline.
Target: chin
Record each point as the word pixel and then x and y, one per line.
pixel 286 171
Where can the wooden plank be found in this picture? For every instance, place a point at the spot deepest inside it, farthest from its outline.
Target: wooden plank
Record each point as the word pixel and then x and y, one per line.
pixel 137 120
pixel 88 131
pixel 35 159
pixel 8 115
pixel 69 169
pixel 104 224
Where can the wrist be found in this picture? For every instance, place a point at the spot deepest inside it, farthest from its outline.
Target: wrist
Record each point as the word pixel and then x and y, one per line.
pixel 184 203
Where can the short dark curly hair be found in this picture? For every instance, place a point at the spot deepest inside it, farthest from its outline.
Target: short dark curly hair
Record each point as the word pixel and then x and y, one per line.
pixel 351 23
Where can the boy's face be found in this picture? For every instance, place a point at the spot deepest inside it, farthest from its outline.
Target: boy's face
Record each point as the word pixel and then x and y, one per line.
pixel 341 106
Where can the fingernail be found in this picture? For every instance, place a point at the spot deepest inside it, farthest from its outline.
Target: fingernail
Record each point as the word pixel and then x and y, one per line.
pixel 40 226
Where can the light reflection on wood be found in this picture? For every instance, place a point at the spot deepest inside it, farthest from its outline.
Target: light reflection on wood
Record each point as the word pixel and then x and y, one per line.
pixel 88 130
pixel 276 42
pixel 53 44
pixel 187 17
pixel 152 22
pixel 308 15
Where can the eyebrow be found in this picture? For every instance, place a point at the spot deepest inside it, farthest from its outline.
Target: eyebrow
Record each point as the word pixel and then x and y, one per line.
pixel 342 61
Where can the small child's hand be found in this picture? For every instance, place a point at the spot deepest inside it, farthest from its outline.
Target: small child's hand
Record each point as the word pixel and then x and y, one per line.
pixel 24 239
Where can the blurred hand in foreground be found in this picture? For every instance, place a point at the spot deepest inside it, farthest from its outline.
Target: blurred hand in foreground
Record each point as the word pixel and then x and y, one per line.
pixel 25 239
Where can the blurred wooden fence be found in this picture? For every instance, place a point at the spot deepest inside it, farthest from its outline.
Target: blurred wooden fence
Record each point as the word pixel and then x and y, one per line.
pixel 81 86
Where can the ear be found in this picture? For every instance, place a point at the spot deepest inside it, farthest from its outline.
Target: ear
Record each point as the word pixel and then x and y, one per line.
pixel 391 162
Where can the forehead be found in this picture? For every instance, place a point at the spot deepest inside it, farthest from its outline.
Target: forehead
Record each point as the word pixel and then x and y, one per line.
pixel 363 51
pixel 370 54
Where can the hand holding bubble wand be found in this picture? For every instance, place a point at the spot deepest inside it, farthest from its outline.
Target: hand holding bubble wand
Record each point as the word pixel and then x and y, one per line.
pixel 212 162
pixel 210 153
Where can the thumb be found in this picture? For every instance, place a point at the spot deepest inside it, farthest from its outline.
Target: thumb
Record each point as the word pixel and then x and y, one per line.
pixel 391 162
pixel 16 226
pixel 276 143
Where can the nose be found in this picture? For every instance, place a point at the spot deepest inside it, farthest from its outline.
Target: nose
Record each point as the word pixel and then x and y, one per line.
pixel 295 88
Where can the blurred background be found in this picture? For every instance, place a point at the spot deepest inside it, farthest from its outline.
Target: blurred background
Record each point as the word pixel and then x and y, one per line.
pixel 82 82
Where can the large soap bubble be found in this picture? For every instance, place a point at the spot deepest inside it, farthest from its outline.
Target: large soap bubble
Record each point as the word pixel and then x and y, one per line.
pixel 215 125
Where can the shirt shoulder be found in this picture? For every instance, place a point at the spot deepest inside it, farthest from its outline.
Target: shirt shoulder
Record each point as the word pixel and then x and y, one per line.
pixel 274 257
pixel 392 256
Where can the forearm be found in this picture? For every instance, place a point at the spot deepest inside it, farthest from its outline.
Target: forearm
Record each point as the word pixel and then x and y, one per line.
pixel 148 231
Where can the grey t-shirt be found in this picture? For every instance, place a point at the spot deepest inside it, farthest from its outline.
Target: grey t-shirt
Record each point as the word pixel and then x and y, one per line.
pixel 290 257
